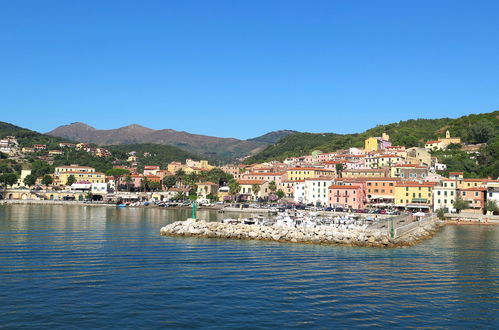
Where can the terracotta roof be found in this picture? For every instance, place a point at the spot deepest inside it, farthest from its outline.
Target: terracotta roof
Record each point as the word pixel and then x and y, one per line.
pixel 207 183
pixel 343 187
pixel 415 184
pixel 308 169
pixel 246 182
pixel 474 189
pixel 321 178
pixel 432 142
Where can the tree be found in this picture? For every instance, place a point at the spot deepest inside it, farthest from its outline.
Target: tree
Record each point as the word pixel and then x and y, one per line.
pixel 441 214
pixel 144 184
pixel 128 181
pixel 461 204
pixel 47 180
pixel 179 196
pixel 339 169
pixel 30 180
pixel 155 186
pixel 255 189
pixel 40 168
pixel 71 180
pixel 117 172
pixel 170 181
pixel 8 179
pixel 481 132
pixel 491 206
pixel 280 194
pixel 212 198
pixel 272 186
pixel 234 188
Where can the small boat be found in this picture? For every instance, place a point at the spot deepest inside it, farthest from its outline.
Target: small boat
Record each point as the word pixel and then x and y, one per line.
pixel 121 205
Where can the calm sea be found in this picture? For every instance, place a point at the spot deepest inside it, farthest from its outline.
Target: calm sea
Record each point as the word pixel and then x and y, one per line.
pixel 96 267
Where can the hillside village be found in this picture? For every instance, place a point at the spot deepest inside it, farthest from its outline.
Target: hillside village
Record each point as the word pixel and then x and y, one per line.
pixel 379 176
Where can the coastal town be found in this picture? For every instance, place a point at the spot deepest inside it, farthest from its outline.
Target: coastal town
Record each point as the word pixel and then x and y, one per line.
pixel 380 176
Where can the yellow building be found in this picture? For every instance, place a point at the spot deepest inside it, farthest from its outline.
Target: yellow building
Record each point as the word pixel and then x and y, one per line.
pixel 174 167
pixel 448 139
pixel 377 143
pixel 414 194
pixel 366 173
pixel 471 183
pixel 371 144
pixel 92 177
pixel 73 168
pixel 302 173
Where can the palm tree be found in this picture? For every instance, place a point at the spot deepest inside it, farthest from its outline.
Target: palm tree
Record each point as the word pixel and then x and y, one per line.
pixel 255 189
pixel 128 180
pixel 234 188
pixel 272 186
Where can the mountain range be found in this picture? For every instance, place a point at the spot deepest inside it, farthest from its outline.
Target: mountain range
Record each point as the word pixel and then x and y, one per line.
pixel 210 147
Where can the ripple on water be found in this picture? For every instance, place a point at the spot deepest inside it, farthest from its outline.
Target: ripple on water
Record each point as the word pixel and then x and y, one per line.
pixel 100 267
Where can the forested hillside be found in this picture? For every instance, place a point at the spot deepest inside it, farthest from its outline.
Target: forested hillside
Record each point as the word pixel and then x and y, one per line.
pixel 472 129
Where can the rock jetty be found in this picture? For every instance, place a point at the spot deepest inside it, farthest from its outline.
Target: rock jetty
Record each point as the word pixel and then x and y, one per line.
pixel 317 235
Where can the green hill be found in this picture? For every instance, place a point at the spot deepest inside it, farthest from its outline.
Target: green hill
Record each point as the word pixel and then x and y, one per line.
pixel 159 154
pixel 472 129
pixel 27 137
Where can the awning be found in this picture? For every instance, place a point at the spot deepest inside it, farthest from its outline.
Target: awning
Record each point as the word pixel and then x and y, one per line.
pixel 418 206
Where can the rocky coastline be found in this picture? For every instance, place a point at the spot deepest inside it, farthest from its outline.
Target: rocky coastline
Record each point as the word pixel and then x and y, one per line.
pixel 316 235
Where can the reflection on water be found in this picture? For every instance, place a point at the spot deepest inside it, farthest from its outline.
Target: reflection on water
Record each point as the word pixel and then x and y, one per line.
pixel 109 267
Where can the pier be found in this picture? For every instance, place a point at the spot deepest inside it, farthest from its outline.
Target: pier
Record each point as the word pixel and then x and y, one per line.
pixel 390 232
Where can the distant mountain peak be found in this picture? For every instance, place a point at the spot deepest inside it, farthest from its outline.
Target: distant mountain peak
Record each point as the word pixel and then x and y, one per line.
pixel 80 125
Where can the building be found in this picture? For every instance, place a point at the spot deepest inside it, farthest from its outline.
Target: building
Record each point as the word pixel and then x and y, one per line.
pixel 434 145
pixel 56 152
pixel 444 195
pixel 151 170
pixel 414 195
pixel 366 173
pixel 73 168
pixel 207 188
pixel 247 193
pixel 381 161
pixel 475 197
pixel 442 142
pixel 381 191
pixel 316 190
pixel 418 156
pixel 302 173
pixel 92 177
pixel 346 196
pixel 265 176
pixel 377 143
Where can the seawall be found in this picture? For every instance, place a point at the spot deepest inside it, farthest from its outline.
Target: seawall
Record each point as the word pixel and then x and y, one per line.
pixel 312 235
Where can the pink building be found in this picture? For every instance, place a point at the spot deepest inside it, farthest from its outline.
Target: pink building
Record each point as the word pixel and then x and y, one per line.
pixel 277 177
pixel 346 196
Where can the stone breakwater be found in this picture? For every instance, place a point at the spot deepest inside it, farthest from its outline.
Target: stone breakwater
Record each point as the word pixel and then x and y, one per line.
pixel 316 235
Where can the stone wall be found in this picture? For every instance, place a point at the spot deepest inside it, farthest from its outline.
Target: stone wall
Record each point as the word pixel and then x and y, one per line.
pixel 316 235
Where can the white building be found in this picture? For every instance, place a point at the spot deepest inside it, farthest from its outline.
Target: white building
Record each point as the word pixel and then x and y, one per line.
pixel 99 188
pixel 444 195
pixel 316 190
pixel 299 193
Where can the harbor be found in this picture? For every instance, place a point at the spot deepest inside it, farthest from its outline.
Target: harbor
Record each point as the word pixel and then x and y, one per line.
pixel 313 228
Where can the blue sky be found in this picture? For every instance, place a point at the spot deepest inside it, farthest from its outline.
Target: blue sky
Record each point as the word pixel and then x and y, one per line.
pixel 243 68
